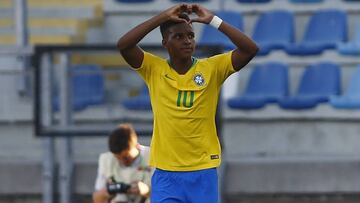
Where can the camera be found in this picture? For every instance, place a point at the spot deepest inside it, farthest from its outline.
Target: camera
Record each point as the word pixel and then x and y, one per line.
pixel 117 187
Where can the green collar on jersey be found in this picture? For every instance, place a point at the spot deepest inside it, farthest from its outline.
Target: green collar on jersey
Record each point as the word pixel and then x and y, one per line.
pixel 193 62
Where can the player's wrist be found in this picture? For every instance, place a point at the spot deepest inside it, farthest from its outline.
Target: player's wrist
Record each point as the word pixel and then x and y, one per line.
pixel 163 17
pixel 215 22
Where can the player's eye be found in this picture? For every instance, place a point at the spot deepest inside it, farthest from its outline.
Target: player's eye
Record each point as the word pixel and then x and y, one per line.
pixel 191 36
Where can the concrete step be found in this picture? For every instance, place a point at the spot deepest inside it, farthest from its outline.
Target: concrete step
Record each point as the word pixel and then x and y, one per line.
pixel 18 142
pixel 29 177
pixel 292 175
pixel 323 131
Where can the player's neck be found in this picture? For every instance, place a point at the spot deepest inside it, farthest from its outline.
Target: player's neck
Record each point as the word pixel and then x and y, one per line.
pixel 181 65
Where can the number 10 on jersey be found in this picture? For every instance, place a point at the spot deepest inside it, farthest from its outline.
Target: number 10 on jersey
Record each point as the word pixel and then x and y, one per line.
pixel 185 98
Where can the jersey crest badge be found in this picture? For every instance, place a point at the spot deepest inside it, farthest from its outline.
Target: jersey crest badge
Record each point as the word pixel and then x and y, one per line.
pixel 199 79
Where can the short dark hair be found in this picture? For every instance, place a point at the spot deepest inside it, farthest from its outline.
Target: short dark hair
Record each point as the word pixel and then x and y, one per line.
pixel 120 138
pixel 167 24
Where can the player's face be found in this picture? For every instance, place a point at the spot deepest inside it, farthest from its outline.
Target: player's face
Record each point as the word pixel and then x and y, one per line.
pixel 180 40
pixel 127 156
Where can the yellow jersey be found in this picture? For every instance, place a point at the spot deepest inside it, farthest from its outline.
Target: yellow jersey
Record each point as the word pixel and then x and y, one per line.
pixel 184 106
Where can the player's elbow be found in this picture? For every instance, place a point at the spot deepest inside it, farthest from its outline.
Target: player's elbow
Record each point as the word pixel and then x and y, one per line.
pixel 249 51
pixel 121 44
pixel 253 50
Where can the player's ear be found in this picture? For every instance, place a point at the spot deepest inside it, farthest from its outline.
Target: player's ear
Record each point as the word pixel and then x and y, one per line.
pixel 163 42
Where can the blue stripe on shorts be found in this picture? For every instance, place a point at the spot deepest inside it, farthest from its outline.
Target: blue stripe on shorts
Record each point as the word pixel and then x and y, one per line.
pixel 184 186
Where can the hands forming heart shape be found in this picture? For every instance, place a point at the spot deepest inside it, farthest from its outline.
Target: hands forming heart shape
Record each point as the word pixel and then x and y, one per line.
pixel 203 15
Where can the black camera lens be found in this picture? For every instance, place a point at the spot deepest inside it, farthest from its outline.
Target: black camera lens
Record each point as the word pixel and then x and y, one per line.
pixel 114 188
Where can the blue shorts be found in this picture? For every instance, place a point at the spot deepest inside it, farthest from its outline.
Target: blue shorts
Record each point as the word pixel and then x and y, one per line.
pixel 184 187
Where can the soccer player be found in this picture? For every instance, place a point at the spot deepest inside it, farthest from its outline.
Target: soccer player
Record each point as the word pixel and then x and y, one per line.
pixel 184 92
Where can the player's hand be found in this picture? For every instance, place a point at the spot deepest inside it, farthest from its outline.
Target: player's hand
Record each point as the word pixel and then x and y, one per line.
pixel 105 193
pixel 204 15
pixel 139 188
pixel 174 12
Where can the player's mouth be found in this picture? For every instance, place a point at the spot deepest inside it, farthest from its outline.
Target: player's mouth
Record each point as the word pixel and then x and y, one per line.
pixel 187 49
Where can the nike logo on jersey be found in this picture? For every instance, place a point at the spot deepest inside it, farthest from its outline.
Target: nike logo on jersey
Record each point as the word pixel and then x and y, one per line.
pixel 214 156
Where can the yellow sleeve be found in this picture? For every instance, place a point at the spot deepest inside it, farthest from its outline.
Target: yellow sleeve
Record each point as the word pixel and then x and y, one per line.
pixel 223 66
pixel 147 66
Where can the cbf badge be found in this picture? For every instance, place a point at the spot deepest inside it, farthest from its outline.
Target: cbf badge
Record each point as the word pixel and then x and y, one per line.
pixel 199 79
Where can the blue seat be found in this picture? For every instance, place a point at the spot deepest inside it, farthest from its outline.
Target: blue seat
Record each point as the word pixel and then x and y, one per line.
pixel 190 1
pixel 134 1
pixel 306 1
pixel 211 36
pixel 274 30
pixel 140 102
pixel 352 47
pixel 325 29
pixel 267 83
pixel 87 87
pixel 351 98
pixel 317 84
pixel 253 1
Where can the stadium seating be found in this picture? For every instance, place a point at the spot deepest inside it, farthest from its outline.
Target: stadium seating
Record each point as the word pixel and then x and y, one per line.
pixel 134 1
pixel 317 84
pixel 274 30
pixel 52 21
pixel 306 1
pixel 267 83
pixel 87 86
pixel 253 1
pixel 351 98
pixel 191 1
pixel 140 102
pixel 352 47
pixel 211 36
pixel 325 29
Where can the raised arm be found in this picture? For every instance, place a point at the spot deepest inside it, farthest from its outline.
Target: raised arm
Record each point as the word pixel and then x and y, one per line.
pixel 127 44
pixel 246 48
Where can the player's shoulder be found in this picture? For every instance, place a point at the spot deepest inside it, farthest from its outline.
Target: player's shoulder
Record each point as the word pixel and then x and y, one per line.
pixel 153 57
pixel 106 158
pixel 105 155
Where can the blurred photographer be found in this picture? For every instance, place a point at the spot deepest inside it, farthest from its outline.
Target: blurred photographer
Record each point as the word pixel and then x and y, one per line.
pixel 124 175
